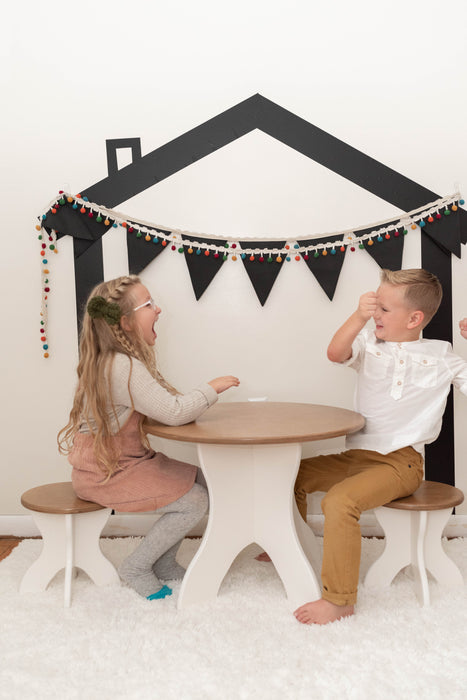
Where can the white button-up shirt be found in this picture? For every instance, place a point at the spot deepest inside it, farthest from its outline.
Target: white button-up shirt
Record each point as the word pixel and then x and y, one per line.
pixel 402 390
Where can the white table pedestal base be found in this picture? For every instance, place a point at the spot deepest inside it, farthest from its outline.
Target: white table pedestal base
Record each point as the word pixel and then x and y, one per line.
pixel 252 501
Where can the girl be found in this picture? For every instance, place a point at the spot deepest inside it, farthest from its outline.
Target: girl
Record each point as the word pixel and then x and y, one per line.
pixel 113 463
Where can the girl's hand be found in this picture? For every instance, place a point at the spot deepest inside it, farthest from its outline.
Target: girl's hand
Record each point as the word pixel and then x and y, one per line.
pixel 222 383
pixel 463 327
pixel 367 306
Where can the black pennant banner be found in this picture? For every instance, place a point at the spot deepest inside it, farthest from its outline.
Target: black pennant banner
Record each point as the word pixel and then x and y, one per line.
pixel 263 260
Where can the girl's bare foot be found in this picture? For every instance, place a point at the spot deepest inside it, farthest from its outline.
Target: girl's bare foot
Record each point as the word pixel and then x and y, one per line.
pixel 263 557
pixel 320 612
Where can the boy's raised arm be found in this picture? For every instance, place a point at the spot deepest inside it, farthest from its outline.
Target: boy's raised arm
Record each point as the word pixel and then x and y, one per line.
pixel 340 347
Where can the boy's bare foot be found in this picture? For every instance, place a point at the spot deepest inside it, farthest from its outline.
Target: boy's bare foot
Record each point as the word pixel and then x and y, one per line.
pixel 263 557
pixel 320 612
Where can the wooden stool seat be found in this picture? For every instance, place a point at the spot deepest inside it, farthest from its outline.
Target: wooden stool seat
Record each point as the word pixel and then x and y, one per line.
pixel 57 498
pixel 70 529
pixel 430 495
pixel 413 527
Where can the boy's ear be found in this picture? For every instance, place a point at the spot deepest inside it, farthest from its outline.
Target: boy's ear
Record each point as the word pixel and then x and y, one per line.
pixel 416 319
pixel 125 324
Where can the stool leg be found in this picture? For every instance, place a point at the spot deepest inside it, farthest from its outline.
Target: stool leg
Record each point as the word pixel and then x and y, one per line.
pixel 69 558
pixel 88 555
pixel 52 557
pixel 397 551
pixel 418 533
pixel 440 566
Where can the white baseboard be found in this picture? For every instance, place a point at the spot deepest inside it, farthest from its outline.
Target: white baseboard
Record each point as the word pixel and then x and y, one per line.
pixel 118 525
pixel 137 524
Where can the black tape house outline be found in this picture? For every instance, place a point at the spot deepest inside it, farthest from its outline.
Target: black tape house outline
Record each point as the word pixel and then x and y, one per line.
pixel 257 112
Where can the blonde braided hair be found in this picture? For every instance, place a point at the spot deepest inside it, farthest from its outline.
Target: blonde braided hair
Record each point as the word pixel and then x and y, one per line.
pixel 99 341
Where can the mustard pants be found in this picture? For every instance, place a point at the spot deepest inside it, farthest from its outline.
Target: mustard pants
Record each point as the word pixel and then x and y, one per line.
pixel 355 481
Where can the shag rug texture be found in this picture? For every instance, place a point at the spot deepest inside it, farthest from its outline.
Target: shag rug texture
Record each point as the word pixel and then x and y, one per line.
pixel 112 644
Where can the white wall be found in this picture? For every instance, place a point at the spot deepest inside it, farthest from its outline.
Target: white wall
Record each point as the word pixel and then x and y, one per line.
pixel 389 79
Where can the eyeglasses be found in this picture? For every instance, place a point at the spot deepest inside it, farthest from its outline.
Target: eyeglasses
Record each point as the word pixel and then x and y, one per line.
pixel 150 304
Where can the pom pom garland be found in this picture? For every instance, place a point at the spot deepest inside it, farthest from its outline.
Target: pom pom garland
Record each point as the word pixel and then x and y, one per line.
pixel 189 242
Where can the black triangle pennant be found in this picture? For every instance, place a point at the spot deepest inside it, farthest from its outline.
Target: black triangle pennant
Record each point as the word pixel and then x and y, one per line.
pixel 68 220
pixel 463 224
pixel 385 248
pixel 445 231
pixel 263 269
pixel 326 268
pixel 202 268
pixel 142 251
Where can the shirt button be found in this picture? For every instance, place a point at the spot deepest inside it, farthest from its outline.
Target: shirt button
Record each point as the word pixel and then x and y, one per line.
pixel 424 362
pixel 378 353
pixel 401 361
pixel 399 383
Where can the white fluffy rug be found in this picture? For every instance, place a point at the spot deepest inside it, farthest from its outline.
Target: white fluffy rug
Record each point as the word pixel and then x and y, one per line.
pixel 111 644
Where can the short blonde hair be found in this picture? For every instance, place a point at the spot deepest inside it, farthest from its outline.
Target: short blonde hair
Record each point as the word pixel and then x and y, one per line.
pixel 423 290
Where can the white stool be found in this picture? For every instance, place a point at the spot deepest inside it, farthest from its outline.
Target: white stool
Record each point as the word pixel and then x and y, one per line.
pixel 70 529
pixel 413 527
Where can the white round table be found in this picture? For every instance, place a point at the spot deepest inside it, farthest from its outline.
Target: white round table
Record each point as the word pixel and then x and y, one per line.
pixel 250 454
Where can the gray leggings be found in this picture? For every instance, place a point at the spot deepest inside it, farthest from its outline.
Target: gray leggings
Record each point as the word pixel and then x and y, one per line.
pixel 155 556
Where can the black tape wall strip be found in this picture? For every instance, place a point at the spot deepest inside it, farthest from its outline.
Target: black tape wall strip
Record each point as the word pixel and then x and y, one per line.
pixel 175 155
pixel 258 112
pixel 439 456
pixel 89 271
pixel 338 156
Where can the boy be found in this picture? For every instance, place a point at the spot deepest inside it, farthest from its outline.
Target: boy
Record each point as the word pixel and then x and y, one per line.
pixel 402 387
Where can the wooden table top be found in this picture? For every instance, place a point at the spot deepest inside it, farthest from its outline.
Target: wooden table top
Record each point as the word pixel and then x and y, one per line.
pixel 262 423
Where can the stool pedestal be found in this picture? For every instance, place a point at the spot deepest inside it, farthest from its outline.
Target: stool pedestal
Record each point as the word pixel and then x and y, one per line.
pixel 70 539
pixel 413 527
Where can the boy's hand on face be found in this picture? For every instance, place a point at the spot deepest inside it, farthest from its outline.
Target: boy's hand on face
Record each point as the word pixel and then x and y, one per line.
pixel 463 327
pixel 367 306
